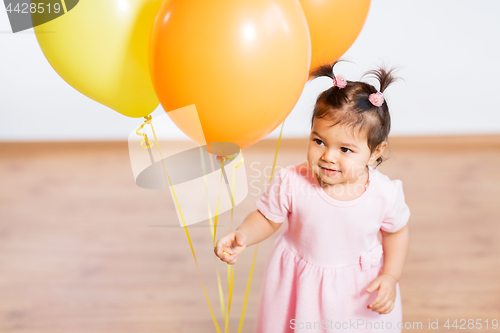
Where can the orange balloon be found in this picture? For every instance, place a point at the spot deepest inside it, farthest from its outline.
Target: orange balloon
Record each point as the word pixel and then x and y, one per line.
pixel 334 26
pixel 242 63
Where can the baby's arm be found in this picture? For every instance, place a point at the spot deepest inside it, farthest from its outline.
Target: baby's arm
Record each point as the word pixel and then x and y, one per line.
pixel 257 227
pixel 254 229
pixel 395 250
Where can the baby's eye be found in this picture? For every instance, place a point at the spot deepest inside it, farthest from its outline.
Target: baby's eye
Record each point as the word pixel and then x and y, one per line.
pixel 318 141
pixel 345 150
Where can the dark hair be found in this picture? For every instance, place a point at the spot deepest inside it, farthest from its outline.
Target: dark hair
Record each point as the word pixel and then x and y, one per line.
pixel 351 106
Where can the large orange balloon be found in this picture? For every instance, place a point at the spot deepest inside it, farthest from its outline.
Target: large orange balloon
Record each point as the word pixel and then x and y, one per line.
pixel 242 63
pixel 334 26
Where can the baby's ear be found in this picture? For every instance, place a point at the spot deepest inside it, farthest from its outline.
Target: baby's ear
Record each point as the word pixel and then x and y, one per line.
pixel 377 152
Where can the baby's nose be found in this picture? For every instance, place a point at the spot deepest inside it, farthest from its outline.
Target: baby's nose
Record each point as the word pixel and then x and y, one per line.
pixel 330 156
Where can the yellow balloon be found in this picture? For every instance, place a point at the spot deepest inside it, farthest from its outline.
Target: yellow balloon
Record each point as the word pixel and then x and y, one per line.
pixel 101 49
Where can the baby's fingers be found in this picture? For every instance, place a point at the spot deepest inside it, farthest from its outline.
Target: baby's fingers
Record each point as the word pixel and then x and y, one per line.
pixel 374 285
pixel 218 250
pixel 224 255
pixel 222 245
pixel 232 262
pixel 230 258
pixel 379 301
pixel 386 308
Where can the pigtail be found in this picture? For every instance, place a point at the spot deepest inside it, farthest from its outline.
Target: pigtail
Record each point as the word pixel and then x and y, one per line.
pixel 384 77
pixel 324 70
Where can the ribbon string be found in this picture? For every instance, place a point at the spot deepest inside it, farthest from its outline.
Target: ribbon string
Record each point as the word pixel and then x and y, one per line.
pixel 186 230
pixel 257 245
pixel 63 2
pixel 219 284
pixel 146 144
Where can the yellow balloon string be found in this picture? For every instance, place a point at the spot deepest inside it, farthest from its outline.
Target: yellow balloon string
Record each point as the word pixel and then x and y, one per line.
pixel 186 229
pixel 145 143
pixel 64 6
pixel 228 276
pixel 257 245
pixel 218 202
pixel 219 284
pixel 230 268
pixel 241 162
pixel 230 296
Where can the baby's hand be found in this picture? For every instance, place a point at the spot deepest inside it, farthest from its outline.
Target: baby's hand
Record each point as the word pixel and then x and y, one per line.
pixel 229 247
pixel 386 297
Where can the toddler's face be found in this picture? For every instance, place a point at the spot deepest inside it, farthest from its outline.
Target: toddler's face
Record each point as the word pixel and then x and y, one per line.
pixel 336 154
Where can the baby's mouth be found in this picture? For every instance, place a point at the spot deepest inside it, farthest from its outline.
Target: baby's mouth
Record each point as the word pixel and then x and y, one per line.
pixel 326 169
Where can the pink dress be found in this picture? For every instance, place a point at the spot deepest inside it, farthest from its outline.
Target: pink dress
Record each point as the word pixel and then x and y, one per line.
pixel 321 265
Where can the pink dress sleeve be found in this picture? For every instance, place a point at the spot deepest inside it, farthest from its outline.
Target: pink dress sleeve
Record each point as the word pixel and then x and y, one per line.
pixel 275 203
pixel 399 213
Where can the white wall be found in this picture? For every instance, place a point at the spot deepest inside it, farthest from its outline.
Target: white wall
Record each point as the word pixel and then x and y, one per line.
pixel 448 51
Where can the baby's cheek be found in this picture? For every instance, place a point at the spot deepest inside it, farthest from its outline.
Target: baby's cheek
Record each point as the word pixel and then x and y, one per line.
pixel 350 170
pixel 356 169
pixel 308 158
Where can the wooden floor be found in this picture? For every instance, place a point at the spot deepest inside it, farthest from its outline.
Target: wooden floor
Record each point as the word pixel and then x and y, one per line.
pixel 83 249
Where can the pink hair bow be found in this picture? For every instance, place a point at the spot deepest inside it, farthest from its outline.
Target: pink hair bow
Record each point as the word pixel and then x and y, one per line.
pixel 339 81
pixel 377 98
